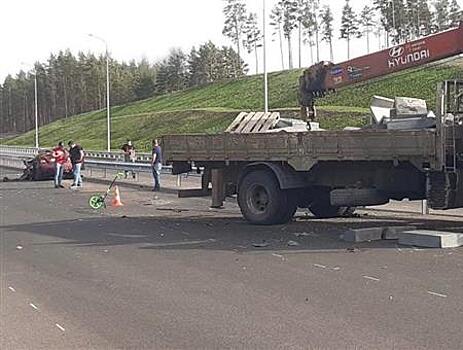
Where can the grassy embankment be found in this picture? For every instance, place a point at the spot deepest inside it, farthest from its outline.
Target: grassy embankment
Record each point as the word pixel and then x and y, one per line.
pixel 211 108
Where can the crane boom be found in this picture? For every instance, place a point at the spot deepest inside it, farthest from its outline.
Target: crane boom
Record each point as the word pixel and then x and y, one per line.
pixel 323 77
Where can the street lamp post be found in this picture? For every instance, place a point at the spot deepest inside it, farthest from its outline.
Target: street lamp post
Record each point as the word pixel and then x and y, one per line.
pixel 107 92
pixel 264 36
pixel 36 112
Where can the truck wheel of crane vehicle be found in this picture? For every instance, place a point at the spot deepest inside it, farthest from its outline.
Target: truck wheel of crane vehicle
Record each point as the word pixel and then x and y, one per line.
pixel 262 201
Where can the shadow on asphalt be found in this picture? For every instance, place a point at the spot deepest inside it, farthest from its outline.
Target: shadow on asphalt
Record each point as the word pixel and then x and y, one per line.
pixel 217 233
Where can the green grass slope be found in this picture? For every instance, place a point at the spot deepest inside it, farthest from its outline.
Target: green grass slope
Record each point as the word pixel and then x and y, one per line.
pixel 211 108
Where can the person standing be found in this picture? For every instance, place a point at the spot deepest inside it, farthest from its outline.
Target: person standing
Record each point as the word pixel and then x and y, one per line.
pixel 129 155
pixel 61 156
pixel 156 165
pixel 76 153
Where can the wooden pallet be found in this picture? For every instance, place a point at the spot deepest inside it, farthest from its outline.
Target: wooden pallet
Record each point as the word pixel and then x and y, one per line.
pixel 251 123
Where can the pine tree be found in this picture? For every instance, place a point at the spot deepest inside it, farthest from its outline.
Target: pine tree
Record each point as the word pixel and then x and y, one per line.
pixel 367 23
pixel 442 14
pixel 253 37
pixel 327 28
pixel 455 14
pixel 315 7
pixel 276 21
pixel 302 14
pixel 289 25
pixel 235 19
pixel 349 26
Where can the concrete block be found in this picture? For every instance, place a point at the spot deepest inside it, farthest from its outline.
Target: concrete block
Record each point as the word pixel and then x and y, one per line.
pixel 431 239
pixel 363 234
pixel 393 232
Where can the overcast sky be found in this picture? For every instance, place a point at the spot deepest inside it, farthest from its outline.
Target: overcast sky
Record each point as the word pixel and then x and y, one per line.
pixel 134 29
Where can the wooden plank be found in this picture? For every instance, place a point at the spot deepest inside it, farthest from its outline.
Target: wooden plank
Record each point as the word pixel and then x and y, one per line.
pixel 254 120
pixel 261 122
pixel 236 122
pixel 271 122
pixel 243 124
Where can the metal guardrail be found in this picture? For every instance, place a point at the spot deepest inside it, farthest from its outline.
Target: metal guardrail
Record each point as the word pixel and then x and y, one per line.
pixel 93 159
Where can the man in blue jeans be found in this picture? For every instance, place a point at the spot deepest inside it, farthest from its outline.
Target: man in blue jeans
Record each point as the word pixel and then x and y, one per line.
pixel 77 159
pixel 156 165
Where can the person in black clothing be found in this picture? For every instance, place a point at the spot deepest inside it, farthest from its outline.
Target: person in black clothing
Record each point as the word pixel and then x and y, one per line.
pixel 76 153
pixel 156 165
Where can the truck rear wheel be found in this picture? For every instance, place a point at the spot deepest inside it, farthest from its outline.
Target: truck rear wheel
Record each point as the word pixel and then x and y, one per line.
pixel 261 200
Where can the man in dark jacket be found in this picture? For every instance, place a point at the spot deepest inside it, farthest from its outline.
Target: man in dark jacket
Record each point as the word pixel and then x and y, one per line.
pixel 76 153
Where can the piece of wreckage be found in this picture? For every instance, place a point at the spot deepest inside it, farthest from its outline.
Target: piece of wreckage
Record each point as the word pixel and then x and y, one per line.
pixel 41 168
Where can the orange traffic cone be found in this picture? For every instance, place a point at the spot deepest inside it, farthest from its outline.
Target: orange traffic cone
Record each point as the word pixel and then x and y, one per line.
pixel 116 202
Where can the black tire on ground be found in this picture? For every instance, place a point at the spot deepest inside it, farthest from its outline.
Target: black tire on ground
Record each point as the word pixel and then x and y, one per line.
pixel 288 212
pixel 261 200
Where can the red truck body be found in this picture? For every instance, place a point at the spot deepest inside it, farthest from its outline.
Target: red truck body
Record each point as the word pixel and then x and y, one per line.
pixel 408 55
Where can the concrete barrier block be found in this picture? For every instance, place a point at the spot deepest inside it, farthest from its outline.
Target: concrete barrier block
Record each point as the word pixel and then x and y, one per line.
pixel 363 234
pixel 431 239
pixel 393 232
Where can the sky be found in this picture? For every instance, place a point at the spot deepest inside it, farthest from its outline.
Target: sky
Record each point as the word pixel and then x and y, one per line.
pixel 135 29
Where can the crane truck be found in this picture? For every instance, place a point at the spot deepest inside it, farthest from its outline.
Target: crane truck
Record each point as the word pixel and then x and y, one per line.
pixel 275 166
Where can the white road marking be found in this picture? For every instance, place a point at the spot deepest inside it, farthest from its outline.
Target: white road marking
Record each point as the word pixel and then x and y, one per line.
pixel 12 289
pixel 60 327
pixel 320 266
pixel 437 294
pixel 371 278
pixel 337 268
pixel 33 306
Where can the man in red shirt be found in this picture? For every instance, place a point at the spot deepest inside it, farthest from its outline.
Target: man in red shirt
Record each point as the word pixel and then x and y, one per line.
pixel 61 156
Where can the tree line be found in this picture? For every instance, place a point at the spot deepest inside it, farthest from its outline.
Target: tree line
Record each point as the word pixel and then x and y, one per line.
pixel 68 85
pixel 390 21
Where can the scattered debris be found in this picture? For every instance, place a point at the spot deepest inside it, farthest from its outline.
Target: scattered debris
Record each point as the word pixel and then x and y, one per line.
pixel 175 210
pixel 305 234
pixel 293 244
pixel 260 245
pixel 353 250
pixel 19 247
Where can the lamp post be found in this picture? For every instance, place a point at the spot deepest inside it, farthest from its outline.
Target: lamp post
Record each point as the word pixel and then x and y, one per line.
pixel 34 70
pixel 264 37
pixel 107 91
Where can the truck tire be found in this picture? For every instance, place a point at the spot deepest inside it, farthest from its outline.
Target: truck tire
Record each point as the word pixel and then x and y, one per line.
pixel 261 200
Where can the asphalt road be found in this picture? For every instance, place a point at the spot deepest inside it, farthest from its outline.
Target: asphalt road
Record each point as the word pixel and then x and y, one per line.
pixel 164 273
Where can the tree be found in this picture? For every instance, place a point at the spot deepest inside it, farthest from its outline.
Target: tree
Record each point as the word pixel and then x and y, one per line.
pixel 235 19
pixel 327 28
pixel 253 37
pixel 289 25
pixel 442 14
pixel 316 9
pixel 302 14
pixel 349 26
pixel 367 23
pixel 276 21
pixel 308 24
pixel 456 15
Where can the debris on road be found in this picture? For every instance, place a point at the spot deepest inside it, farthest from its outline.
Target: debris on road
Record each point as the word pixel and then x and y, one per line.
pixel 19 247
pixel 175 210
pixel 431 239
pixel 260 245
pixel 293 244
